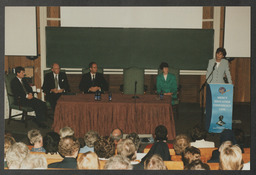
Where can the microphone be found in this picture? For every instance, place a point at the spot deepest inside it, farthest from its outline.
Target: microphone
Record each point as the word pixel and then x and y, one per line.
pixel 214 66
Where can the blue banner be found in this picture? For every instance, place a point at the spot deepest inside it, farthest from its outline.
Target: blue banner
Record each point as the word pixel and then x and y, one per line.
pixel 219 107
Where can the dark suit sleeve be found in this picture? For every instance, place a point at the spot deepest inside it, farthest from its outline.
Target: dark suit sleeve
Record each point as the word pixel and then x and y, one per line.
pixel 46 85
pixel 64 82
pixel 84 83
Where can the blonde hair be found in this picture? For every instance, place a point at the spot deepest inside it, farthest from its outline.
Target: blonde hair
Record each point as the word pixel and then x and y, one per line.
pixel 231 158
pixel 88 160
pixel 34 136
pixel 34 161
pixel 180 143
pixel 127 149
pixel 118 162
pixel 16 154
pixel 154 162
pixel 91 137
pixel 66 131
pixel 8 142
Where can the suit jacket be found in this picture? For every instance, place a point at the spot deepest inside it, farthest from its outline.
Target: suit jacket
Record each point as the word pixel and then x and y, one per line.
pixel 218 73
pixel 65 163
pixel 86 82
pixel 170 85
pixel 18 90
pixel 49 82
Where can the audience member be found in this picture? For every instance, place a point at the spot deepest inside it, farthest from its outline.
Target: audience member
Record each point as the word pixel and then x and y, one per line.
pixel 197 165
pixel 68 148
pixel 135 138
pixel 180 143
pixel 89 139
pixel 36 140
pixel 16 154
pixel 226 135
pixel 104 148
pixel 34 161
pixel 8 142
pixel 198 135
pixel 160 146
pixel 88 160
pixel 155 162
pixel 118 162
pixel 231 158
pixel 190 154
pixel 127 149
pixel 51 142
pixel 66 131
pixel 116 135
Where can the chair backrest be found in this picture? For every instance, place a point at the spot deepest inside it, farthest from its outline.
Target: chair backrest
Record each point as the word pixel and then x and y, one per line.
pixel 174 165
pixel 207 152
pixel 8 78
pixel 86 70
pixel 247 150
pixel 246 157
pixel 176 158
pixel 173 71
pixel 130 76
pixel 102 164
pixel 213 166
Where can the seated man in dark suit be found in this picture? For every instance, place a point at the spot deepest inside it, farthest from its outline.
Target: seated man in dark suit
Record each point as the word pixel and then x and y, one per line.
pixel 93 81
pixel 68 148
pixel 55 84
pixel 23 95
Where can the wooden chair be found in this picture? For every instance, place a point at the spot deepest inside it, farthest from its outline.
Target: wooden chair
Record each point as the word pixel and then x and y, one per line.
pixel 247 150
pixel 246 157
pixel 174 165
pixel 176 158
pixel 102 164
pixel 213 166
pixel 207 153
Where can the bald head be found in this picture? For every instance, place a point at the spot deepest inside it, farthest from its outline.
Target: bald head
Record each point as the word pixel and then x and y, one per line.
pixel 55 68
pixel 116 135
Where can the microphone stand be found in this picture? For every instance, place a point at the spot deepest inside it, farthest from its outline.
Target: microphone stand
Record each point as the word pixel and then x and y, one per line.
pixel 202 92
pixel 135 91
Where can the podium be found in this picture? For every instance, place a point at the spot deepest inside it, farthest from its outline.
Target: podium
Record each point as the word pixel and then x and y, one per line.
pixel 219 107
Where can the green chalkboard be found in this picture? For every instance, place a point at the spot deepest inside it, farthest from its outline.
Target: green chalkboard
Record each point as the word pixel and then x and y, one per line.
pixel 76 47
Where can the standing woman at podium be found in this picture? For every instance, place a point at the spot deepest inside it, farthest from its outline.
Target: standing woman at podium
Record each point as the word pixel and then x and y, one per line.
pixel 166 82
pixel 219 68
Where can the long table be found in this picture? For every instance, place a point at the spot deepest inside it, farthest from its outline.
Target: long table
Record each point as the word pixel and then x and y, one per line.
pixel 82 113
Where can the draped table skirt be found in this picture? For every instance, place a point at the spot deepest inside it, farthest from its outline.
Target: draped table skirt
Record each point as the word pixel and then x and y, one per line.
pixel 82 113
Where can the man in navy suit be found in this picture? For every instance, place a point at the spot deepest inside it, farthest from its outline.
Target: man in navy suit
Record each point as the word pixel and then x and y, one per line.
pixel 93 81
pixel 55 84
pixel 24 96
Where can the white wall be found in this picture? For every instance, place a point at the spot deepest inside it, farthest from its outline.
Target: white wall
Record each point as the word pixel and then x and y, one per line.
pixel 237 37
pixel 20 31
pixel 136 17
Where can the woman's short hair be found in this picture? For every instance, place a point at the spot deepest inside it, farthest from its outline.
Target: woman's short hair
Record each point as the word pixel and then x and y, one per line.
pixel 34 136
pixel 154 162
pixel 127 149
pixel 198 133
pixel 163 64
pixel 34 161
pixel 51 142
pixel 8 142
pixel 104 147
pixel 190 154
pixel 197 165
pixel 88 160
pixel 180 143
pixel 161 132
pixel 16 154
pixel 68 146
pixel 90 137
pixel 222 50
pixel 231 158
pixel 66 131
pixel 118 162
pixel 135 138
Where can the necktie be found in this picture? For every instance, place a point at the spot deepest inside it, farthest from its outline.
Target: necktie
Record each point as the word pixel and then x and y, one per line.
pixel 56 82
pixel 93 77
pixel 25 90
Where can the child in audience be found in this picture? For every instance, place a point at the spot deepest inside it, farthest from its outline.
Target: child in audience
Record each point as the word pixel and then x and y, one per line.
pixel 155 162
pixel 89 139
pixel 36 139
pixel 66 131
pixel 88 160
